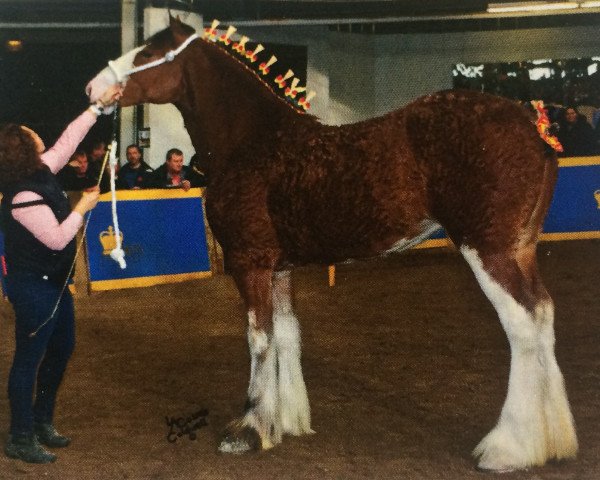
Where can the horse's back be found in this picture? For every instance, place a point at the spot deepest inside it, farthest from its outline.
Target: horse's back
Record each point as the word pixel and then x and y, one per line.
pixel 471 162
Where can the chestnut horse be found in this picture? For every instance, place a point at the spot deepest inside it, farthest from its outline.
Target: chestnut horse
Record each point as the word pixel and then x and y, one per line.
pixel 285 190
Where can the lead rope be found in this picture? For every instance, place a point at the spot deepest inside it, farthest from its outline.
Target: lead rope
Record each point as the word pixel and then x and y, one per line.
pixel 110 152
pixel 117 253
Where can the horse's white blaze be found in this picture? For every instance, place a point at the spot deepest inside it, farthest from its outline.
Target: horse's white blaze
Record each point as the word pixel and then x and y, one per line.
pixel 294 407
pixel 111 75
pixel 262 391
pixel 535 423
pixel 428 227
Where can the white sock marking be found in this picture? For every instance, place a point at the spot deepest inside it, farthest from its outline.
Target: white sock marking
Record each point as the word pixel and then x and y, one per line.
pixel 526 433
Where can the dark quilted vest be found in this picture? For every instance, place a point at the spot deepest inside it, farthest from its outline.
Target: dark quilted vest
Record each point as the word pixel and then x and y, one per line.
pixel 24 253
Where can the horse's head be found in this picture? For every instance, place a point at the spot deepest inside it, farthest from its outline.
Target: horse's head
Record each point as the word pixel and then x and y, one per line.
pixel 160 84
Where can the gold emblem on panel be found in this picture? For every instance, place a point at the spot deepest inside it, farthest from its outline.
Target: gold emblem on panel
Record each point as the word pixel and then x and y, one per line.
pixel 108 240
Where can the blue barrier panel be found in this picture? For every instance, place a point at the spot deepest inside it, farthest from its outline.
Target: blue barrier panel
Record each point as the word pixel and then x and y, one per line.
pixel 163 236
pixel 575 209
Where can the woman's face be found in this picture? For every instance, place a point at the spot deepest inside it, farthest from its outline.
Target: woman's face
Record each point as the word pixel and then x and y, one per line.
pixel 571 115
pixel 39 143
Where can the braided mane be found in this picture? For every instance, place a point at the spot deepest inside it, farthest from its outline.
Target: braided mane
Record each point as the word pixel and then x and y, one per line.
pixel 291 93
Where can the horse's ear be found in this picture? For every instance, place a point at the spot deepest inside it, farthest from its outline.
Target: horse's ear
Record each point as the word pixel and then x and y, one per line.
pixel 174 20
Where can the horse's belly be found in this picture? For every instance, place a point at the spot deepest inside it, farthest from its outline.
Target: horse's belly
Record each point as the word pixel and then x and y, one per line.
pixel 338 246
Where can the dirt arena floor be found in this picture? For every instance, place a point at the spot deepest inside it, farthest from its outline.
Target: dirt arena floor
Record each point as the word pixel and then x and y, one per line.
pixel 405 362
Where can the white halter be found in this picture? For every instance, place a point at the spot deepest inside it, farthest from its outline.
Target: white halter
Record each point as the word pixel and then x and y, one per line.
pixel 169 57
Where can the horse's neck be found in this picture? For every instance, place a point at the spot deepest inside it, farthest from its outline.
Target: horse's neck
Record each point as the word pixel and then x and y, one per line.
pixel 228 109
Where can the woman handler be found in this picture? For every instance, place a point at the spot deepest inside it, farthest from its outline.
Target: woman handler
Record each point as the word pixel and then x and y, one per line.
pixel 39 229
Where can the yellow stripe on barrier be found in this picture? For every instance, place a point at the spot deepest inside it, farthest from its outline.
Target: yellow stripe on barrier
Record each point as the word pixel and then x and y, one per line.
pixel 153 194
pixel 99 285
pixel 578 161
pixel 546 237
pixel 436 242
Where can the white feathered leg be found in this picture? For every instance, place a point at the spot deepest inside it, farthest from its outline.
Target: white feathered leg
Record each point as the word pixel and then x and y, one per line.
pixel 260 427
pixel 562 439
pixel 535 423
pixel 294 406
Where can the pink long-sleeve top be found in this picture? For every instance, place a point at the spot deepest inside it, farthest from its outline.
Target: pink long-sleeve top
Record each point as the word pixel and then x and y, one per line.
pixel 39 219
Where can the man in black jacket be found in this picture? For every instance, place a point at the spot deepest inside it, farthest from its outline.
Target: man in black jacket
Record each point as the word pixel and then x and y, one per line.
pixel 174 174
pixel 77 174
pixel 136 173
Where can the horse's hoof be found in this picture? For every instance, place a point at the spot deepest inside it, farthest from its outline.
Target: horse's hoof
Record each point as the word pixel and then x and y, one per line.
pixel 497 460
pixel 240 439
pixel 498 470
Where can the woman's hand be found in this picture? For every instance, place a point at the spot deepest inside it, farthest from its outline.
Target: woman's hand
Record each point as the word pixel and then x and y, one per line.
pixel 111 95
pixel 88 201
pixel 106 103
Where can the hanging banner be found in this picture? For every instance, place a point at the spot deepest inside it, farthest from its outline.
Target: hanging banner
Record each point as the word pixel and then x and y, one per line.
pixel 575 209
pixel 162 233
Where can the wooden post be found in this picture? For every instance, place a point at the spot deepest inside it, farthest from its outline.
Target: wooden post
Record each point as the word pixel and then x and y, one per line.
pixel 331 273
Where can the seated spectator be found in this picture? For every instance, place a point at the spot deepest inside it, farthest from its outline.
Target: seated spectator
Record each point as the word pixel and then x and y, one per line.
pixel 197 165
pixel 95 155
pixel 174 174
pixel 576 135
pixel 76 175
pixel 136 173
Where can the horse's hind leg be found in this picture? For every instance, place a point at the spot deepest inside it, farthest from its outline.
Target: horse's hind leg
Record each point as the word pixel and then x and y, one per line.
pixel 535 424
pixel 260 427
pixel 295 409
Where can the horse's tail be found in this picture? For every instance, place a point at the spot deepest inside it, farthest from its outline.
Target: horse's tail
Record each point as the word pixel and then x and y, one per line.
pixel 547 183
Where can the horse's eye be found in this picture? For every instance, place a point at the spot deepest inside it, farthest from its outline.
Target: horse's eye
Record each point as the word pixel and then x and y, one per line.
pixel 146 53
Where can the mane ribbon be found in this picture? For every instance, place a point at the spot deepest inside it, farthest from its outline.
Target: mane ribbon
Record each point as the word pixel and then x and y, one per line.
pixel 543 126
pixel 169 57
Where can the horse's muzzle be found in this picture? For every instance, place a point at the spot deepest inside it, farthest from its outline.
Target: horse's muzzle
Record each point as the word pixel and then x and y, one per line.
pixel 98 85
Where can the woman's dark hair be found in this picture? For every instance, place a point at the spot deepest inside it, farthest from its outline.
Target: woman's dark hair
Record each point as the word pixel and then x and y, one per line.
pixel 563 113
pixel 18 155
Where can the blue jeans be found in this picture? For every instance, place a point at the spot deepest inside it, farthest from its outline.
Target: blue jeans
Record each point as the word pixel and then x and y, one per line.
pixel 42 358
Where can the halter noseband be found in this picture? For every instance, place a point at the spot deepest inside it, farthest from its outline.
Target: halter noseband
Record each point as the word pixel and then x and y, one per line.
pixel 169 57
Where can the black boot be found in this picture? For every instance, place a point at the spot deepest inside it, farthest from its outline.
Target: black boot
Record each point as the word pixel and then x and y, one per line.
pixel 47 435
pixel 26 447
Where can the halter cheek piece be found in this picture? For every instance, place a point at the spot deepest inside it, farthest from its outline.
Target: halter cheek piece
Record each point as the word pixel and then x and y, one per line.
pixel 169 57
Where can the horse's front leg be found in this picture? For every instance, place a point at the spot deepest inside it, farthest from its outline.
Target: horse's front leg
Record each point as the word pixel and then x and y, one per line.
pixel 260 427
pixel 295 409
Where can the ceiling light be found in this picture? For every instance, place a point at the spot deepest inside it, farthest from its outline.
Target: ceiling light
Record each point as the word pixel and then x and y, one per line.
pixel 14 45
pixel 589 4
pixel 531 6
